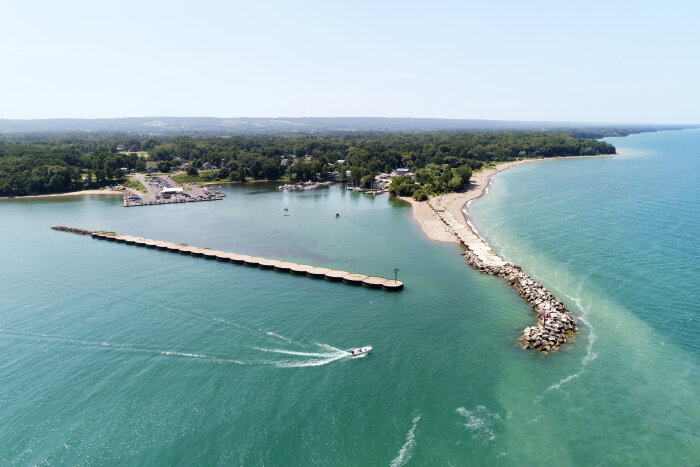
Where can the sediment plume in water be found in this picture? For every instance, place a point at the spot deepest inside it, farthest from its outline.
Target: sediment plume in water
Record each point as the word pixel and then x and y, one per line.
pixel 554 326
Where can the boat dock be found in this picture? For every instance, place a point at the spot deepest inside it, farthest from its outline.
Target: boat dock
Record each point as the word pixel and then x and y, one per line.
pixel 253 261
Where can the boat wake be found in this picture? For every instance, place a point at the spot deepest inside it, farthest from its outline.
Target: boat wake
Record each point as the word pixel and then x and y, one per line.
pixel 318 358
pixel 406 450
pixel 313 362
pixel 292 352
pixel 323 354
pixel 272 334
pixel 117 347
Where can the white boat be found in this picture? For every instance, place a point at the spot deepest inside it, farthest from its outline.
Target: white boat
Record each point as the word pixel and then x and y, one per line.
pixel 360 351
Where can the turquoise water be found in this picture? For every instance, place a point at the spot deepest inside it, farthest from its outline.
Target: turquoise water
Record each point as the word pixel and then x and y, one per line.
pixel 114 354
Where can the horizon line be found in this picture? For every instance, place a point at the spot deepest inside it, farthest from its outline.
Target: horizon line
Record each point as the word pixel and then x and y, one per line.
pixel 585 122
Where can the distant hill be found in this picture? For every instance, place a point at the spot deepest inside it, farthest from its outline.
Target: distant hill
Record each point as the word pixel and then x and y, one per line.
pixel 211 126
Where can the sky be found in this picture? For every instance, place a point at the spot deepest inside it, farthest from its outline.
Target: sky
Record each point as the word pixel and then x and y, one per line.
pixel 607 61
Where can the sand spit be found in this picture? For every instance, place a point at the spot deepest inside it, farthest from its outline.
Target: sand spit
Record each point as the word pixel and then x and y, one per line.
pixel 443 218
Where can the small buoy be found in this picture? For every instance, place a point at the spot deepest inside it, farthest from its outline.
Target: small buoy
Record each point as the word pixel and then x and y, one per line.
pixel 337 215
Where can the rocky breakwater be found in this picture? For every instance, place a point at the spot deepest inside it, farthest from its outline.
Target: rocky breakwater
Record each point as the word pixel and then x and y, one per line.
pixel 73 230
pixel 554 323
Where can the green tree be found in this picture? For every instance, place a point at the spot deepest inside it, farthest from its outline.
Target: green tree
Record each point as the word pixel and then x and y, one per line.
pixel 140 165
pixel 163 166
pixel 420 194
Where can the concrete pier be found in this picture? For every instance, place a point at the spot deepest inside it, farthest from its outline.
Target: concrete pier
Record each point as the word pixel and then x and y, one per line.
pixel 253 261
pixel 355 279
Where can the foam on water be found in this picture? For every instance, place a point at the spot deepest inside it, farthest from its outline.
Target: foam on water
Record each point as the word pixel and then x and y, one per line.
pixel 406 450
pixel 592 338
pixel 480 421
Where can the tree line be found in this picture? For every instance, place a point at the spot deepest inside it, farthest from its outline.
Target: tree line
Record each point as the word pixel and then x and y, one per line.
pixel 440 159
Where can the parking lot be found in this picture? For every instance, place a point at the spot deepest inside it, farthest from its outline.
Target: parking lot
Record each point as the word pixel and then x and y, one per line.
pixel 174 193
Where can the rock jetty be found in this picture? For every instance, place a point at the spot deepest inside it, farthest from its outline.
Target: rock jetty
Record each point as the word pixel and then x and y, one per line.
pixel 62 228
pixel 554 322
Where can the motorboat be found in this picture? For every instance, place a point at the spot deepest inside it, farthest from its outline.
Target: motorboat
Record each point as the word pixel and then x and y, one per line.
pixel 360 351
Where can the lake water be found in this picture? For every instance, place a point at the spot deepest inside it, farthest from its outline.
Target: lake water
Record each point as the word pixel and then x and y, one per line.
pixel 114 354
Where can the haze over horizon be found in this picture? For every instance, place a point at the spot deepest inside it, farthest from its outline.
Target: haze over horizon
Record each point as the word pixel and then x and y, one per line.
pixel 585 62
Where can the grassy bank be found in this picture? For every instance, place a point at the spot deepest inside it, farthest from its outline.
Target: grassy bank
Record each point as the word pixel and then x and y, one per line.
pixel 135 184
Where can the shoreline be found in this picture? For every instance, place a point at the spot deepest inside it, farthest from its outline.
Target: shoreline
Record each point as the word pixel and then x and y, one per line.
pixel 446 218
pixel 429 220
pixel 69 193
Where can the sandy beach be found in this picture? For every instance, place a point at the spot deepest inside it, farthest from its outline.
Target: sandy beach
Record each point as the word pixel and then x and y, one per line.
pixel 70 193
pixel 432 224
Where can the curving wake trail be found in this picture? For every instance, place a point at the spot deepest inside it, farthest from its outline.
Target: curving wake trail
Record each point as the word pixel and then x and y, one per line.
pixel 316 358
pixel 116 347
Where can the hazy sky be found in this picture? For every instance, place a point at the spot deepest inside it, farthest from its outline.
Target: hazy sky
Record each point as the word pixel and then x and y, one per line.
pixel 605 61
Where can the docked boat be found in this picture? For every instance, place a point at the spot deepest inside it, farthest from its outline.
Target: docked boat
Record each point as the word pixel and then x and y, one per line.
pixel 360 351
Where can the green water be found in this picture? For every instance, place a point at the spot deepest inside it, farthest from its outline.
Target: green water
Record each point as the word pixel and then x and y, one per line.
pixel 114 354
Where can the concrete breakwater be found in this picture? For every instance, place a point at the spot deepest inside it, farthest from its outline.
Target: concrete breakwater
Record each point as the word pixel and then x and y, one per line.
pixel 262 263
pixel 554 323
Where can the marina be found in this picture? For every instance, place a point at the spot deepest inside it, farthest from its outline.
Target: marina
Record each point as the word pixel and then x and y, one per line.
pixel 262 263
pixel 162 189
pixel 306 186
